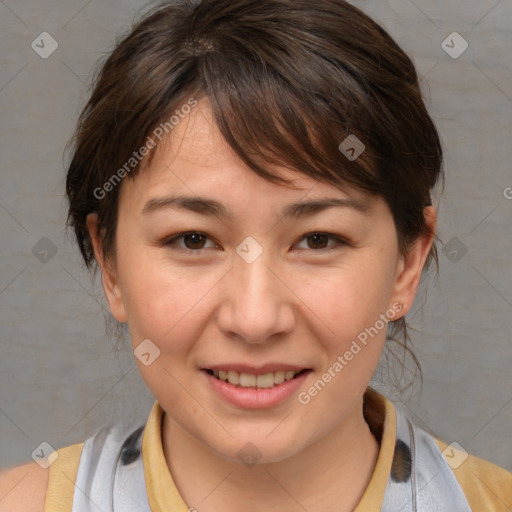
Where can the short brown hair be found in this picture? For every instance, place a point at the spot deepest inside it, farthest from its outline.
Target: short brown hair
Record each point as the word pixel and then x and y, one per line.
pixel 287 80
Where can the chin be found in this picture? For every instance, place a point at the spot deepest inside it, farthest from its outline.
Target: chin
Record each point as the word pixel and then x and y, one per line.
pixel 250 450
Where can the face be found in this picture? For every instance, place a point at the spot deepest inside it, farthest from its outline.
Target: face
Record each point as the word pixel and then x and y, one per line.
pixel 254 289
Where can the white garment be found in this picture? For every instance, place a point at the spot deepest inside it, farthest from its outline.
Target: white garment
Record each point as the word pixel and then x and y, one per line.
pixel 110 474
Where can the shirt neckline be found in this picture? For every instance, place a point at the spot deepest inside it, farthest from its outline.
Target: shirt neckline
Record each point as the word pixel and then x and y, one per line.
pixel 163 494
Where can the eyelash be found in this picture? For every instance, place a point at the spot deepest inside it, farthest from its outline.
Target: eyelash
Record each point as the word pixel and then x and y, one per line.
pixel 340 242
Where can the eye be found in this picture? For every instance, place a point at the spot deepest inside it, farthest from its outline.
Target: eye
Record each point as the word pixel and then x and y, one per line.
pixel 193 240
pixel 320 239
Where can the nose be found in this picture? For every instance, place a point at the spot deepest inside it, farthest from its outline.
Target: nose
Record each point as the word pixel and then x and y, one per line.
pixel 257 302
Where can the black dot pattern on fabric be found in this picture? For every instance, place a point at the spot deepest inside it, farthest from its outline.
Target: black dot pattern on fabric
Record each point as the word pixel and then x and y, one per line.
pixel 129 451
pixel 402 462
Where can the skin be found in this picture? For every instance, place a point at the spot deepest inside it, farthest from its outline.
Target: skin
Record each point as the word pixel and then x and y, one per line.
pixel 297 303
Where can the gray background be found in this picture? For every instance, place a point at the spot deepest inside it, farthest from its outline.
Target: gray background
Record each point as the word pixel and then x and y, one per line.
pixel 60 377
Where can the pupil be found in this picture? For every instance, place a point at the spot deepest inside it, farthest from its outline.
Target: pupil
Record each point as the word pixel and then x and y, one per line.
pixel 194 238
pixel 316 238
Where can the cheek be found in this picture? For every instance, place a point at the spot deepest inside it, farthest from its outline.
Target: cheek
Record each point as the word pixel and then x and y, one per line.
pixel 350 303
pixel 348 299
pixel 161 299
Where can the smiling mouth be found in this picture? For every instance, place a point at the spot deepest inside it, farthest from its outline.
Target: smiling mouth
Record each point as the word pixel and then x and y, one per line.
pixel 248 380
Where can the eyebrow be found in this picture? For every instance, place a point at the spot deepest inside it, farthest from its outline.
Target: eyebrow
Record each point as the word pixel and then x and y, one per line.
pixel 207 206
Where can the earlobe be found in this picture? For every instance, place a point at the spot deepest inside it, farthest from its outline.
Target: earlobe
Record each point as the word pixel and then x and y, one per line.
pixel 108 275
pixel 410 267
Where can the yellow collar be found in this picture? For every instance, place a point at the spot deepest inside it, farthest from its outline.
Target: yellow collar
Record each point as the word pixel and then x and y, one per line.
pixel 164 496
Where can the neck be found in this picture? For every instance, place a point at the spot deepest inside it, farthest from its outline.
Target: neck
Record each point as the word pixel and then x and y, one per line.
pixel 340 465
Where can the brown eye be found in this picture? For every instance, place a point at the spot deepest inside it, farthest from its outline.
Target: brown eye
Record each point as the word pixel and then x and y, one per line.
pixel 193 241
pixel 196 241
pixel 318 241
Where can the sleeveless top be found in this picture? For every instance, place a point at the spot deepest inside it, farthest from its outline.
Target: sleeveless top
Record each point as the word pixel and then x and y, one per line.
pixel 114 473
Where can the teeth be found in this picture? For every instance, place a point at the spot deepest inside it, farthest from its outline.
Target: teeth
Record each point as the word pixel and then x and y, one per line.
pixel 248 380
pixel 279 377
pixel 265 381
pixel 233 378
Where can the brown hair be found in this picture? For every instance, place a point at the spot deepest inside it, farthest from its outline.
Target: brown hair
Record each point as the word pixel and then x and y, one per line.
pixel 288 81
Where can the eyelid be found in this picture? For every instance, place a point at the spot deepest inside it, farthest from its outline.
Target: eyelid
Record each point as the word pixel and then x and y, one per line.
pixel 340 241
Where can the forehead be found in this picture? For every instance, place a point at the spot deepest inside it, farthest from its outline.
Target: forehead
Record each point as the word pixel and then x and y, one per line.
pixel 195 159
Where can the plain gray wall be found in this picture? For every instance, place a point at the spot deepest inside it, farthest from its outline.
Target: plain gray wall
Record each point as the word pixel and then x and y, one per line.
pixel 60 378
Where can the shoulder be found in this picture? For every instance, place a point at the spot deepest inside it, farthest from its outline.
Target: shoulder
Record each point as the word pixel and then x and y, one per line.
pixel 32 488
pixel 23 488
pixel 486 485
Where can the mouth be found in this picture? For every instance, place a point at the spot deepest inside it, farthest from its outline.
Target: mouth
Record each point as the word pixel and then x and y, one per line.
pixel 251 381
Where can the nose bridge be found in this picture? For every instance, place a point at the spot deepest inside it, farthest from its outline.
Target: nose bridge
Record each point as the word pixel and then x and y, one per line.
pixel 256 305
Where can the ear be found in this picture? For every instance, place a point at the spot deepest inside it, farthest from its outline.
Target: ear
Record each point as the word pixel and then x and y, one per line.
pixel 410 267
pixel 108 275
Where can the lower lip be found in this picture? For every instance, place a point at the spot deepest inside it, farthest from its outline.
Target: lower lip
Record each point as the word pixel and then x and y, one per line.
pixel 251 398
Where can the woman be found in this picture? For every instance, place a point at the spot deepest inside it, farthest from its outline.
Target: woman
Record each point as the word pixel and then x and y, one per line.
pixel 254 181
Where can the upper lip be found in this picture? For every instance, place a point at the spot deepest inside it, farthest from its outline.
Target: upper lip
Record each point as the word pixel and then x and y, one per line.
pixel 256 370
